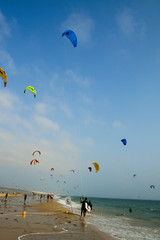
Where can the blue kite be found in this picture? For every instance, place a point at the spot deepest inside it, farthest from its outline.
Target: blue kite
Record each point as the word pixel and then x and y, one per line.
pixel 72 36
pixel 124 141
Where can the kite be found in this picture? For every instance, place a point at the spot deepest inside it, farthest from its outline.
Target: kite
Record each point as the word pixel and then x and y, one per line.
pixel 124 141
pixel 152 187
pixel 4 76
pixel 72 36
pixel 32 89
pixel 52 169
pixel 97 167
pixel 134 175
pixel 90 169
pixel 72 170
pixel 34 161
pixel 35 152
pixel 42 178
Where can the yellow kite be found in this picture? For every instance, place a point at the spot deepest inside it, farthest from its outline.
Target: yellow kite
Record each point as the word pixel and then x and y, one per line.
pixel 97 167
pixel 3 74
pixel 32 89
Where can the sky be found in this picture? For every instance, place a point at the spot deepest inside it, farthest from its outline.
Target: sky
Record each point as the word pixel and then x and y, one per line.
pixel 88 98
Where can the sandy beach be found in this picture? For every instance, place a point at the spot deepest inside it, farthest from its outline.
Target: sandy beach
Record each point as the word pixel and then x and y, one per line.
pixel 46 219
pixel 2 195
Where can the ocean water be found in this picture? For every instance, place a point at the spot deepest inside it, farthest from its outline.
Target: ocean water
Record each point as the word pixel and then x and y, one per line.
pixel 113 216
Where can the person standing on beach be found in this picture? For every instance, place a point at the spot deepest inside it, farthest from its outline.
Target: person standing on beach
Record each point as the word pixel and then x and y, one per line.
pixel 6 196
pixel 41 196
pixel 84 207
pixel 25 197
pixel 90 205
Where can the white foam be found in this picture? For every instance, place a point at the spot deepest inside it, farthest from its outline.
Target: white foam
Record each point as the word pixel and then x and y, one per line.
pixel 121 228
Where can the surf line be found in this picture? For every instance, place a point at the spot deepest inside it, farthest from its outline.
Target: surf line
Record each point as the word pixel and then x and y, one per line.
pixel 64 230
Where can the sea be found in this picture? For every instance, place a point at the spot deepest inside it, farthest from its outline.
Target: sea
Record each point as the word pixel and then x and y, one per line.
pixel 113 216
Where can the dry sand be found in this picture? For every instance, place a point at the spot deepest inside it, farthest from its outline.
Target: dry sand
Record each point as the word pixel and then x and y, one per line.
pixel 2 195
pixel 46 220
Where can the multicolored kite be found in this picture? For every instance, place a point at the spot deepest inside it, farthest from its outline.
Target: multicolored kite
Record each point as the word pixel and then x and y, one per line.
pixel 4 76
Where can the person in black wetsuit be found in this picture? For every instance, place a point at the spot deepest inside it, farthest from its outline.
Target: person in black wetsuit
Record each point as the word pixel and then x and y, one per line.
pixel 25 197
pixel 90 204
pixel 6 196
pixel 84 207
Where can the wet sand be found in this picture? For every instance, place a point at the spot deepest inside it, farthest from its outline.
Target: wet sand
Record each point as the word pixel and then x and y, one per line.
pixel 43 220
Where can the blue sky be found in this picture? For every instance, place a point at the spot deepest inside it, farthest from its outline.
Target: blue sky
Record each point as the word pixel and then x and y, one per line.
pixel 88 98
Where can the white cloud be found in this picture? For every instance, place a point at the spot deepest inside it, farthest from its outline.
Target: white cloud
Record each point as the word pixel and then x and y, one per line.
pixel 9 107
pixel 7 61
pixel 4 26
pixel 22 122
pixel 55 76
pixel 81 24
pixel 88 119
pixel 89 141
pixel 85 98
pixel 41 108
pixel 7 100
pixel 54 79
pixel 22 132
pixel 56 84
pixel 78 79
pixel 14 122
pixel 118 124
pixel 46 124
pixel 63 106
pixel 25 135
pixel 68 146
pixel 5 135
pixel 126 22
pixel 129 24
pixel 17 147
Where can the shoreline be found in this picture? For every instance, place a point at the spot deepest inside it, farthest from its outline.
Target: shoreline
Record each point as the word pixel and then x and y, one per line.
pixel 46 218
